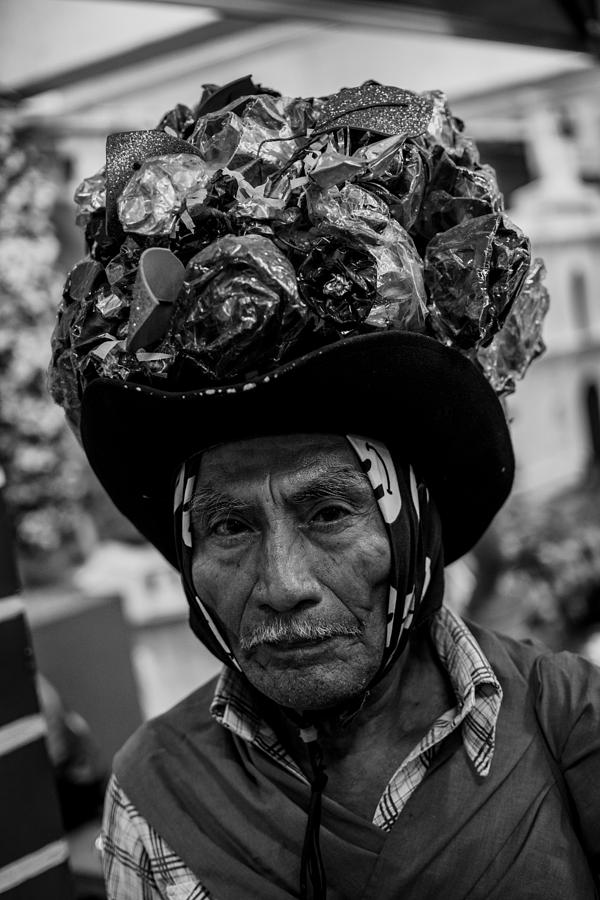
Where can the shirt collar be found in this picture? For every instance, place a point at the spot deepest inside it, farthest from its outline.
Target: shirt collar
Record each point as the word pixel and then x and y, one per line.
pixel 234 707
pixel 475 685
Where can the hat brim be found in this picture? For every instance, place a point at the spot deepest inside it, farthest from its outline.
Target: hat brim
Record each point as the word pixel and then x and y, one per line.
pixel 424 399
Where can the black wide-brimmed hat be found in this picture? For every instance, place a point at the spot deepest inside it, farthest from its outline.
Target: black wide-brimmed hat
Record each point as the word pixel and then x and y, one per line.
pixel 264 265
pixel 425 399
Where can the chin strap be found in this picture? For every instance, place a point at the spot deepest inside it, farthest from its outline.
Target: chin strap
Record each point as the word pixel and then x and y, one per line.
pixel 311 863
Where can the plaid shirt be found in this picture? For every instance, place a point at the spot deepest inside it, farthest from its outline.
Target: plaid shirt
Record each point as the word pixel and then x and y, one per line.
pixel 139 865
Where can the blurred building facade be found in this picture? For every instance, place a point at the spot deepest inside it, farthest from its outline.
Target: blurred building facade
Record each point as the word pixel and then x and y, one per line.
pixel 543 137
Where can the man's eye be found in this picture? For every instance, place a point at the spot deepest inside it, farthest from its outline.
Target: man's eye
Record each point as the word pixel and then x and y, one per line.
pixel 329 514
pixel 229 527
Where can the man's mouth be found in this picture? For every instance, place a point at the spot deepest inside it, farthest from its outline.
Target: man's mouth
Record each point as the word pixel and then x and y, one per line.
pixel 297 635
pixel 298 643
pixel 304 647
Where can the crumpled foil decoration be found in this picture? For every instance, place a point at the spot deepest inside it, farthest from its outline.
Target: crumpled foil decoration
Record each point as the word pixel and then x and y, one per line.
pixel 292 222
pixel 240 301
pixel 473 274
pixel 125 153
pixel 402 183
pixel 89 339
pixel 456 193
pixel 338 281
pixel 446 131
pixel 256 139
pixel 64 376
pixel 401 300
pixel 90 196
pixel 519 341
pixel 179 122
pixel 396 289
pixel 351 207
pixel 152 198
pixel 334 165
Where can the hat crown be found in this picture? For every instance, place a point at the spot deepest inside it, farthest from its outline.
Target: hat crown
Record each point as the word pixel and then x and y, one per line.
pixel 286 224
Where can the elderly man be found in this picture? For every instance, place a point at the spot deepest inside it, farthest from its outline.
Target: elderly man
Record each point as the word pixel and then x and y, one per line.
pixel 308 431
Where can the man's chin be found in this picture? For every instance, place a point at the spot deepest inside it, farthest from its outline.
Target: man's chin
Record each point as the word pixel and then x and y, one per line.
pixel 319 687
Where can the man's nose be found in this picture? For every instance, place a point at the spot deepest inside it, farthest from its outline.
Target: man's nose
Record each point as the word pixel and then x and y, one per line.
pixel 286 576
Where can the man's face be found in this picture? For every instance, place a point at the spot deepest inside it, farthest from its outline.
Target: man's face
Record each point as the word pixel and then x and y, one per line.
pixel 291 553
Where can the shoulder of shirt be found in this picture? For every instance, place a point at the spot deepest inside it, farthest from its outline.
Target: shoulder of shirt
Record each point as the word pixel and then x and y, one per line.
pixel 190 716
pixel 508 657
pixel 524 657
pixel 134 854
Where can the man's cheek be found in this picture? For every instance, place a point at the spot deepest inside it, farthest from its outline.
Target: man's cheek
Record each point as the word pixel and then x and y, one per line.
pixel 371 565
pixel 215 586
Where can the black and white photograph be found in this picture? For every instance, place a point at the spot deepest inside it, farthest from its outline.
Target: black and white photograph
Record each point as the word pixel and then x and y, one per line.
pixel 299 450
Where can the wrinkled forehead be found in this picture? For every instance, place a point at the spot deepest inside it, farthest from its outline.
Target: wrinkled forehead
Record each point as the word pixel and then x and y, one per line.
pixel 291 457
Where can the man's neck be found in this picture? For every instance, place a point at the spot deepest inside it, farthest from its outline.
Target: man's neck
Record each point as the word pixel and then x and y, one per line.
pixel 363 746
pixel 406 700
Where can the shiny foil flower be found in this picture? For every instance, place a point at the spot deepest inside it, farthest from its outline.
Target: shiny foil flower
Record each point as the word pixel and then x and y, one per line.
pixel 155 194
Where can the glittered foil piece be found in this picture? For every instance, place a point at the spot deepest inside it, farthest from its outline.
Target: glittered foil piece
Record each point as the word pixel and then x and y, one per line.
pixel 378 108
pixel 155 193
pixel 519 341
pixel 473 273
pixel 159 279
pixel 125 153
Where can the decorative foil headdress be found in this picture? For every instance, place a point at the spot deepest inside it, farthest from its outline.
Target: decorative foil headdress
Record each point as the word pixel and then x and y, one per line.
pixel 246 232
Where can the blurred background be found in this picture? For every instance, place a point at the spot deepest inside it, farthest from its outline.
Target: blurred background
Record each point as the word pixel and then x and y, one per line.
pixel 106 615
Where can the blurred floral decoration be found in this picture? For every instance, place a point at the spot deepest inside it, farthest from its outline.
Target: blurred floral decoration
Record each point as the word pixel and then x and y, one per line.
pixel 45 471
pixel 540 567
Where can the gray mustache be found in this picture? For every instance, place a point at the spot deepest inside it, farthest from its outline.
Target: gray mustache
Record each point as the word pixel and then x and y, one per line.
pixel 286 631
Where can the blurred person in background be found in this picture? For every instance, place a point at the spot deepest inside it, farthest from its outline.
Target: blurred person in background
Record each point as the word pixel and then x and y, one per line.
pixel 283 356
pixel 79 773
